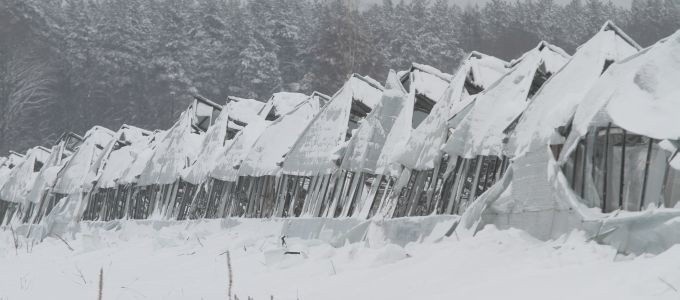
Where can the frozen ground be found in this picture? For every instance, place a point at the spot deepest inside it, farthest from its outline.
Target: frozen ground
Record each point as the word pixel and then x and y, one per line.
pixel 183 260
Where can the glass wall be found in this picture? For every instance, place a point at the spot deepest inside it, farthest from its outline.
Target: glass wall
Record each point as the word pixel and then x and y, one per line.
pixel 614 169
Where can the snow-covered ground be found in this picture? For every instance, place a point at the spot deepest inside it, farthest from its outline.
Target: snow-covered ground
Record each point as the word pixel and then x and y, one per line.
pixel 187 260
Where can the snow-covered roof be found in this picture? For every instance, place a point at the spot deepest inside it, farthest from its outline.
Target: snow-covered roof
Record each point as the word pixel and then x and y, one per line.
pixel 364 149
pixel 640 94
pixel 422 148
pixel 427 81
pixel 140 154
pixel 481 131
pixel 174 153
pixel 484 69
pixel 267 154
pixel 76 173
pixel 281 103
pixel 243 110
pixel 9 162
pixel 555 103
pixel 71 140
pixel 48 173
pixel 216 142
pixel 229 161
pixel 121 152
pixel 21 177
pixel 315 151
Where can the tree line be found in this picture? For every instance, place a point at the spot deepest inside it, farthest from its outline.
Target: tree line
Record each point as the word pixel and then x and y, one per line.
pixel 72 64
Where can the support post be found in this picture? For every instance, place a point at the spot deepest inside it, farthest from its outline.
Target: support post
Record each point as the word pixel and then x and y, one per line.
pixel 606 166
pixel 623 165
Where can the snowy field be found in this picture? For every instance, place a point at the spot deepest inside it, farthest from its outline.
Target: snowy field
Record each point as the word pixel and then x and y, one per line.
pixel 187 260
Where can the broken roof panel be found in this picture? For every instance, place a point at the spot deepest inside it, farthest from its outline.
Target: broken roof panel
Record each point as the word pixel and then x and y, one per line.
pixel 481 131
pixel 122 151
pixel 267 154
pixel 216 142
pixel 21 177
pixel 281 103
pixel 364 149
pixel 427 81
pixel 422 149
pixel 48 173
pixel 140 156
pixel 315 151
pixel 640 94
pixel 11 161
pixel 229 161
pixel 76 175
pixel 555 104
pixel 243 110
pixel 174 153
pixel 484 69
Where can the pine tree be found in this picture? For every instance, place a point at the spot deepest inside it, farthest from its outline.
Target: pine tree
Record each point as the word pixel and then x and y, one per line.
pixel 258 74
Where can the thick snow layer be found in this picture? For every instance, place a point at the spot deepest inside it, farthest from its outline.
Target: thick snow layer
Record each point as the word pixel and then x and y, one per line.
pixel 21 178
pixel 429 81
pixel 481 132
pixel 396 139
pixel 422 149
pixel 243 110
pixel 227 166
pixel 485 69
pixel 266 159
pixel 315 151
pixel 282 103
pixel 76 174
pixel 48 174
pixel 640 94
pixel 118 160
pixel 12 160
pixel 140 158
pixel 173 154
pixel 181 260
pixel 364 149
pixel 555 104
pixel 214 145
pixel 534 196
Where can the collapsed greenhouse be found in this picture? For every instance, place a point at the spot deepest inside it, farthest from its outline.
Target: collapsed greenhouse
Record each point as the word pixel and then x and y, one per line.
pixel 547 143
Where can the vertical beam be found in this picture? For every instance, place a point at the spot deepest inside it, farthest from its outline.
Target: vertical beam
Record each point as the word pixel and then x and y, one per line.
pixel 228 198
pixel 320 209
pixel 584 165
pixel 281 196
pixel 646 175
pixel 407 203
pixel 489 174
pixel 363 211
pixel 606 166
pixel 319 196
pixel 293 196
pixel 354 190
pixel 390 201
pixel 458 196
pixel 623 165
pixel 475 180
pixel 359 196
pixel 451 188
pixel 432 186
pixel 337 193
pixel 311 194
pixel 667 199
pixel 416 189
